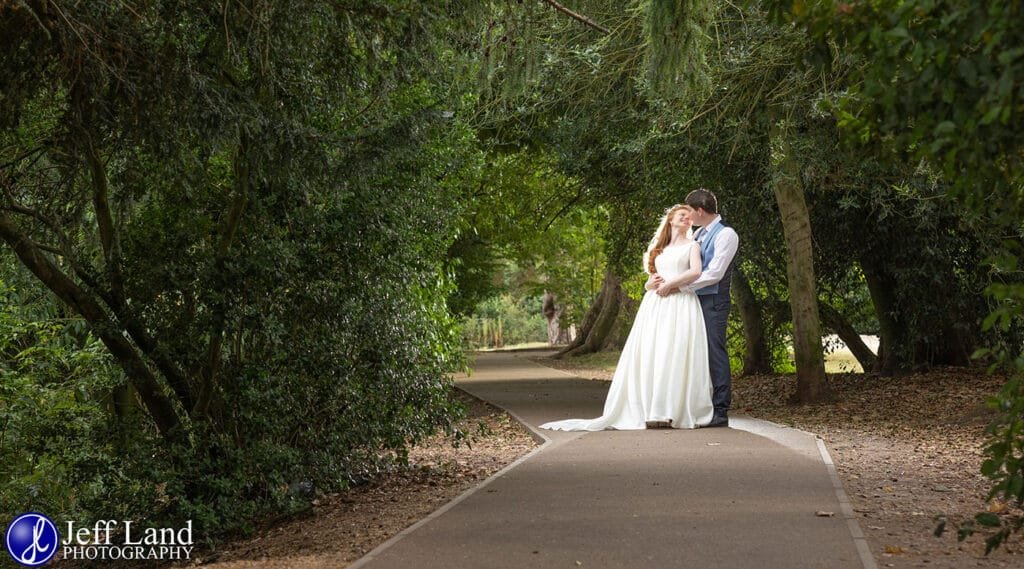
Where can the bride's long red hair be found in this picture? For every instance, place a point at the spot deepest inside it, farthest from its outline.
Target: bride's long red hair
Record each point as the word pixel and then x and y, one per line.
pixel 661 238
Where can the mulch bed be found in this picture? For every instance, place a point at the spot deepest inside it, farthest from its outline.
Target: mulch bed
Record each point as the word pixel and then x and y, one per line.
pixel 909 450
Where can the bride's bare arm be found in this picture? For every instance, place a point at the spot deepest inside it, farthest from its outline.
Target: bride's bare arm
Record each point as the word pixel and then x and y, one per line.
pixel 653 282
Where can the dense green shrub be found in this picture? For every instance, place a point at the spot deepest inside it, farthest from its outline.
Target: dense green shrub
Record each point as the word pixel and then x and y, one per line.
pixel 330 382
pixel 243 215
pixel 62 448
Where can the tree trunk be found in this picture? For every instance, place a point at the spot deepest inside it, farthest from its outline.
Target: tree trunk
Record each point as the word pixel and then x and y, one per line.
pixel 584 329
pixel 803 295
pixel 553 312
pixel 902 349
pixel 623 324
pixel 589 319
pixel 113 337
pixel 207 374
pixel 841 326
pixel 880 288
pixel 600 319
pixel 757 358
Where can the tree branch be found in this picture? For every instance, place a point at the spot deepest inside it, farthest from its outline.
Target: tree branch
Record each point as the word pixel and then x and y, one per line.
pixel 23 156
pixel 577 16
pixel 115 302
pixel 101 204
pixel 240 201
pixel 35 16
pixel 207 391
pixel 149 345
pixel 48 248
pixel 25 210
pixel 159 405
pixel 576 199
pixel 115 297
pixel 833 319
pixel 60 235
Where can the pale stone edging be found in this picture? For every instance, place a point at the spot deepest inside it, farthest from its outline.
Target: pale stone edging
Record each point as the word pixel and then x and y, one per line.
pixel 537 435
pixel 774 432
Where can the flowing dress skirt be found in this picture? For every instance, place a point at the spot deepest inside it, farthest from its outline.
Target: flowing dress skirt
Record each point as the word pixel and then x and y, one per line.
pixel 662 372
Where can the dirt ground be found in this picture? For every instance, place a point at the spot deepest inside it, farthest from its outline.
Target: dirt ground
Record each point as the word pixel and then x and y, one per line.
pixel 909 451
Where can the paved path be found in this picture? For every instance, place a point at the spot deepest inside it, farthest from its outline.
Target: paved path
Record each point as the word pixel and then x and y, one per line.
pixel 732 498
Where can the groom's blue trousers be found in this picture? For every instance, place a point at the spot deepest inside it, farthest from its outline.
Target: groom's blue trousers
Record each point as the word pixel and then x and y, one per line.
pixel 716 317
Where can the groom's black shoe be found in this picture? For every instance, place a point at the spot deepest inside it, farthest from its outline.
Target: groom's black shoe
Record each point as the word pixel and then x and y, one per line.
pixel 719 420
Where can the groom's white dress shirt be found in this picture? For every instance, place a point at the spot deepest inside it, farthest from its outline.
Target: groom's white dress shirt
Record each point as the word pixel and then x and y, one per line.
pixel 726 244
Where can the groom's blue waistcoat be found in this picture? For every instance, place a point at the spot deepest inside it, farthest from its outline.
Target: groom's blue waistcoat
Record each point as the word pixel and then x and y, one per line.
pixel 707 251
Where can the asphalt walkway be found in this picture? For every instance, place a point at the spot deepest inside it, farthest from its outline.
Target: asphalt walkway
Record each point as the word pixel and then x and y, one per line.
pixel 746 496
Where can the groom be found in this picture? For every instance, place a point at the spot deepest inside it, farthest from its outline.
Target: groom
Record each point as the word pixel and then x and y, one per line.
pixel 718 244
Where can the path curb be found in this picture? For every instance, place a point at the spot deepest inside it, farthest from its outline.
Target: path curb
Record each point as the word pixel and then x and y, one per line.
pixel 539 436
pixel 846 507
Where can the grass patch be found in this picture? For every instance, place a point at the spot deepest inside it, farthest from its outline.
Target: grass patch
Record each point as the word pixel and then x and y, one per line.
pixel 599 360
pixel 842 361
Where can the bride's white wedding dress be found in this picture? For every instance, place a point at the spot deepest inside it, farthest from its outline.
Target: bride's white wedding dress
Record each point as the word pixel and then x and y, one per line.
pixel 662 373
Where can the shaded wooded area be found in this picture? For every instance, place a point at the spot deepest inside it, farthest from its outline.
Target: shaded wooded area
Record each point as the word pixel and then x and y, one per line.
pixel 240 235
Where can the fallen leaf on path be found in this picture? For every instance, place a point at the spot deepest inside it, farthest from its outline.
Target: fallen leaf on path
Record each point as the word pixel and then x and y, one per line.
pixel 894 550
pixel 997 507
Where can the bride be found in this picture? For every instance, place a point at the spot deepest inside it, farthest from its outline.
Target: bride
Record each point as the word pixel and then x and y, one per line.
pixel 662 377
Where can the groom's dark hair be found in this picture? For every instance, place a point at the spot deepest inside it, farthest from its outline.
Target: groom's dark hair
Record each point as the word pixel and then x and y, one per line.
pixel 703 199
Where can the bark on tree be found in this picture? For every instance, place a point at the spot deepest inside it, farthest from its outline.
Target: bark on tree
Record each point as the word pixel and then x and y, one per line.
pixel 901 349
pixel 207 374
pixel 113 295
pixel 803 296
pixel 577 16
pixel 553 313
pixel 757 358
pixel 836 322
pixel 584 329
pixel 600 319
pixel 623 324
pixel 884 301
